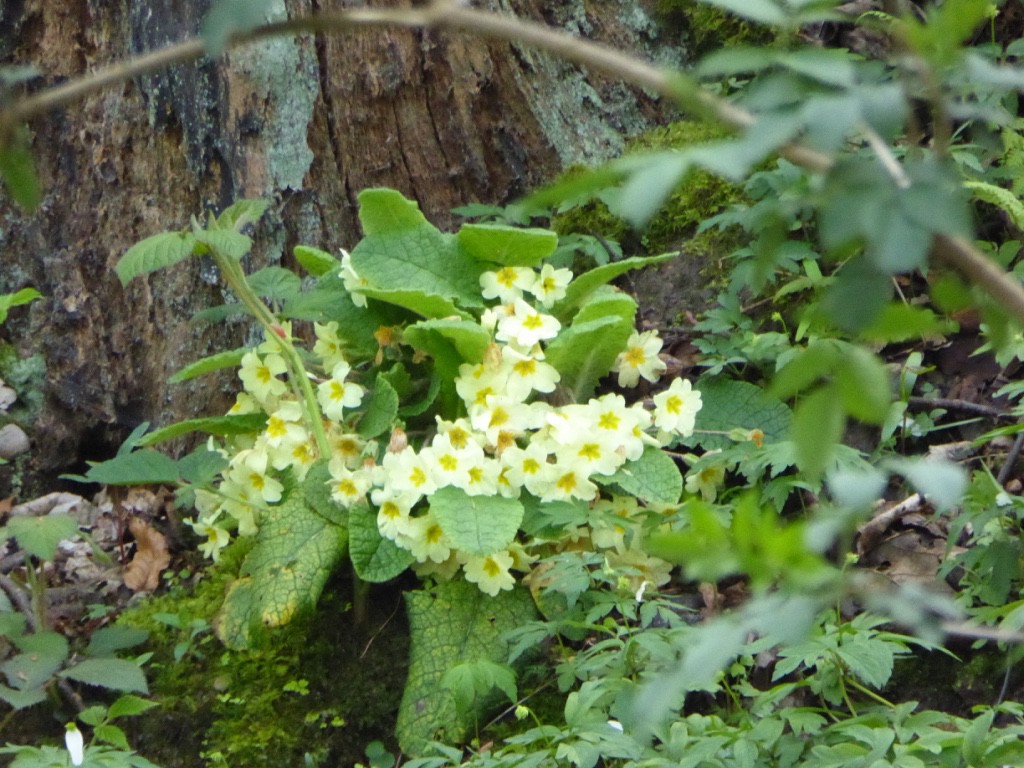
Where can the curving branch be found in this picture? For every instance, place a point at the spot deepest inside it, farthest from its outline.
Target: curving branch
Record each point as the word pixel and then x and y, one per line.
pixel 448 16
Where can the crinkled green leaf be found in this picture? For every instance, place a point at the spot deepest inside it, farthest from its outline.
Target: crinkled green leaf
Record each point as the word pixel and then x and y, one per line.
pixel 583 353
pixel 607 302
pixel 584 285
pixel 422 303
pixel 374 557
pixel 232 424
pixel 480 525
pixel 653 477
pixel 242 212
pixel 728 404
pixel 451 624
pixel 116 674
pixel 381 410
pixel 40 535
pixel 296 550
pixel 232 358
pixel 315 261
pixel 316 489
pixel 155 253
pixel 404 253
pixel 509 246
pixel 470 340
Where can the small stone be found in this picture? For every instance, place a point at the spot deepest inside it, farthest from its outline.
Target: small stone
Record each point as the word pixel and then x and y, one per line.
pixel 7 397
pixel 13 441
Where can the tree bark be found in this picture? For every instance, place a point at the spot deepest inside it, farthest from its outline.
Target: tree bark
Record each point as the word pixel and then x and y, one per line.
pixel 306 122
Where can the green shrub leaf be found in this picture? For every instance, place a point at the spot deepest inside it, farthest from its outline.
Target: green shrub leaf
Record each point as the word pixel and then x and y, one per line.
pixel 381 410
pixel 584 285
pixel 315 261
pixel 116 674
pixel 583 353
pixel 479 525
pixel 39 536
pixel 155 253
pixel 234 424
pixel 728 404
pixel 653 477
pixel 232 358
pixel 508 246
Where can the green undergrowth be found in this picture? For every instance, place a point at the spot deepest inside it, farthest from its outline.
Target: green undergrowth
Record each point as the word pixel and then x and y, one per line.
pixel 704 28
pixel 700 197
pixel 319 687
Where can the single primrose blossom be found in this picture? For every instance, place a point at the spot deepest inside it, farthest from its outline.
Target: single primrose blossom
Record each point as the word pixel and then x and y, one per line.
pixel 259 376
pixel 675 409
pixel 490 573
pixel 640 359
pixel 507 284
pixel 526 326
pixel 550 285
pixel 335 394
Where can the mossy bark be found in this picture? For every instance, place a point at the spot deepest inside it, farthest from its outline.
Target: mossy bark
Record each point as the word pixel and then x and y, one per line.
pixel 306 122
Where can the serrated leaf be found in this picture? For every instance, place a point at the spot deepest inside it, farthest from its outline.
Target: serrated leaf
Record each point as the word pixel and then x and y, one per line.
pixel 275 283
pixel 26 671
pixel 452 624
pixel 227 242
pixel 469 339
pixel 108 640
pixel 116 674
pixel 654 477
pixel 508 246
pixel 315 261
pixel 295 553
pixel 233 424
pixel 242 212
pixel 584 285
pixel 232 358
pixel 155 253
pixel 943 483
pixel 40 535
pixel 46 643
pixel 479 525
pixel 111 734
pixel 727 404
pixel 129 705
pixel 22 699
pixel 145 467
pixel 403 253
pixel 583 353
pixel 18 170
pixel 375 558
pixel 817 428
pixel 381 410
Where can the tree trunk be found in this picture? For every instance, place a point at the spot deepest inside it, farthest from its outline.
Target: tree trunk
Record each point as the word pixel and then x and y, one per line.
pixel 305 122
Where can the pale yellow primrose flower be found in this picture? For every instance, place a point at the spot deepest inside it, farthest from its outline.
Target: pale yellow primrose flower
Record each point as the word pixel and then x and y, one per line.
pixel 351 280
pixel 335 395
pixel 348 487
pixel 550 285
pixel 507 284
pixel 490 573
pixel 407 472
pixel 259 376
pixel 249 471
pixel 706 481
pixel 328 344
pixel 640 358
pixel 675 409
pixel 425 539
pixel 216 538
pixel 393 512
pixel 526 326
pixel 527 373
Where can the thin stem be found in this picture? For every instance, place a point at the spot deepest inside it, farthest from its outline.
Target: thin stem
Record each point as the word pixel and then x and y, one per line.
pixel 235 278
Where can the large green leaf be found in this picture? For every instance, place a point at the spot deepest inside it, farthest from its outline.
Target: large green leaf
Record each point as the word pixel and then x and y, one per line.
pixel 296 551
pixel 231 358
pixel 315 261
pixel 583 353
pixel 584 285
pixel 653 477
pixel 39 536
pixel 454 623
pixel 423 303
pixel 728 404
pixel 232 244
pixel 233 424
pixel 374 557
pixel 275 283
pixel 155 253
pixel 145 467
pixel 510 246
pixel 381 410
pixel 469 339
pixel 480 525
pixel 116 674
pixel 402 251
pixel 607 302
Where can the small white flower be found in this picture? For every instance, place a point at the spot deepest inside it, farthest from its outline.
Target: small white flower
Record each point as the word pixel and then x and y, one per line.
pixel 75 743
pixel 550 285
pixel 640 359
pixel 507 284
pixel 675 409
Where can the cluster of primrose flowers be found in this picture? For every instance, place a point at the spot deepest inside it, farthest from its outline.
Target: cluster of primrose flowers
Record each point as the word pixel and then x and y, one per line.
pixel 510 440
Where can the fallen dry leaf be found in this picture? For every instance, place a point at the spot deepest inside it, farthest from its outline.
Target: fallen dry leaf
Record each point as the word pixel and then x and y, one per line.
pixel 142 574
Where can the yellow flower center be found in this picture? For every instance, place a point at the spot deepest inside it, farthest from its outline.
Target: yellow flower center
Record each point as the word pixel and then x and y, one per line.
pixel 525 368
pixel 458 437
pixel 448 462
pixel 507 277
pixel 590 451
pixel 608 420
pixel 674 404
pixel 417 477
pixel 531 467
pixel 491 568
pixel 635 356
pixel 567 482
pixel 533 322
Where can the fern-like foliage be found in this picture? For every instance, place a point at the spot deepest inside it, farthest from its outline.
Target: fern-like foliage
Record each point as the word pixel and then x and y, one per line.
pixel 999 197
